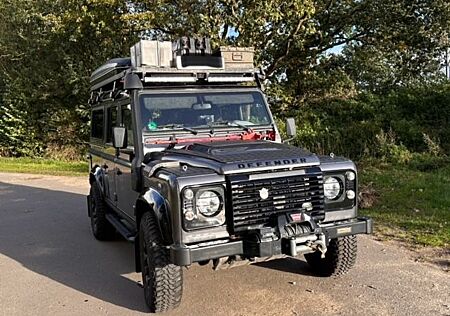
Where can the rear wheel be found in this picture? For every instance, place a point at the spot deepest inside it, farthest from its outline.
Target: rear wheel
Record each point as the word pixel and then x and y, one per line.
pixel 101 227
pixel 339 258
pixel 162 280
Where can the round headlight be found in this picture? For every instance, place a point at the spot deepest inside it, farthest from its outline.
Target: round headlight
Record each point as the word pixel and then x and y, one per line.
pixel 331 188
pixel 208 203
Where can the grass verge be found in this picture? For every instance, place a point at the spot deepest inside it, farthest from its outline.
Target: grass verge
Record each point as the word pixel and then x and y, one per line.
pixel 43 166
pixel 410 205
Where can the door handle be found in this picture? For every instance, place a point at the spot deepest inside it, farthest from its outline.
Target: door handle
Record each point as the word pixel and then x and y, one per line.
pixel 119 172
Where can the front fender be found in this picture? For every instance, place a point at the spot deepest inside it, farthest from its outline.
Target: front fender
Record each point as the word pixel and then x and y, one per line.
pixel 97 175
pixel 154 202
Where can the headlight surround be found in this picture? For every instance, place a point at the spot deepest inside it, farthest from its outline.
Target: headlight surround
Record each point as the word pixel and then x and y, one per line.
pixel 332 187
pixel 347 197
pixel 204 208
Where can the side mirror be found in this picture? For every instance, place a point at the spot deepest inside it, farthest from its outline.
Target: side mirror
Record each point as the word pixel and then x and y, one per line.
pixel 291 128
pixel 120 137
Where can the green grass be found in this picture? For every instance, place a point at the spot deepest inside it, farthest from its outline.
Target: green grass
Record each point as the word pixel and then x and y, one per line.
pixel 412 205
pixel 43 166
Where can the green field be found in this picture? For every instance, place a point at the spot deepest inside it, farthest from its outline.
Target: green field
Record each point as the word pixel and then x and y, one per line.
pixel 43 166
pixel 410 205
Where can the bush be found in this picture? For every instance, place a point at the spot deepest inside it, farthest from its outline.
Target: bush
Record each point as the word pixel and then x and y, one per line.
pixel 389 150
pixel 426 162
pixel 390 127
pixel 337 126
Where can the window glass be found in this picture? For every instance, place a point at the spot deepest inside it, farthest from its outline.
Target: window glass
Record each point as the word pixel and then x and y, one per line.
pixel 97 124
pixel 111 118
pixel 202 110
pixel 127 122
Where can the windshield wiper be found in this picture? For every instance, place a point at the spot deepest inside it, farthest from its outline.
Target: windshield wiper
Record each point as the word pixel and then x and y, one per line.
pixel 179 126
pixel 232 123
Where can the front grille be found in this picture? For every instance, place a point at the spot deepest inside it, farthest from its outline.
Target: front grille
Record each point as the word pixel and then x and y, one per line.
pixel 286 195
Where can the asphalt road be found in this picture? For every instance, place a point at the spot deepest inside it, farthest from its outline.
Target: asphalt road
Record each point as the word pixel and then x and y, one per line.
pixel 50 264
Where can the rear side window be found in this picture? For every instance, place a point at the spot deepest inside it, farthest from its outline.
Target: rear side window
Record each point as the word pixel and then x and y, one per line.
pixel 111 114
pixel 127 122
pixel 97 124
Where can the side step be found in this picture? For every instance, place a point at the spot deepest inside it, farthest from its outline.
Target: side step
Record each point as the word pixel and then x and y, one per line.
pixel 120 227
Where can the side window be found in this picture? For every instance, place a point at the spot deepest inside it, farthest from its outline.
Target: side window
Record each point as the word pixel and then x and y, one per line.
pixel 97 123
pixel 111 121
pixel 128 123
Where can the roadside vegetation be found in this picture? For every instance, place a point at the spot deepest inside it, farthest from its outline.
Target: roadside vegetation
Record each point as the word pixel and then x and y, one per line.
pixel 43 166
pixel 401 142
pixel 407 203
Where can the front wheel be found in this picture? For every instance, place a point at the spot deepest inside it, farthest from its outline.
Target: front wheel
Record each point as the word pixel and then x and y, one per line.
pixel 162 280
pixel 339 258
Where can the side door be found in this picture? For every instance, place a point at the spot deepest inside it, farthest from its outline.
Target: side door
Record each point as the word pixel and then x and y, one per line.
pixel 99 150
pixel 126 196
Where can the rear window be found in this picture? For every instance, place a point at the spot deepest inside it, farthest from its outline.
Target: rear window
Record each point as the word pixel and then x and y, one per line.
pixel 97 124
pixel 111 121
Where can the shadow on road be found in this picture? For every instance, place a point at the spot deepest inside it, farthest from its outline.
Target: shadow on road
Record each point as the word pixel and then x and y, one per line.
pixel 48 232
pixel 290 265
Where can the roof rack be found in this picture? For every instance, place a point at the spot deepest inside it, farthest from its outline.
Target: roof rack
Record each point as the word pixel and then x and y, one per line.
pixel 188 61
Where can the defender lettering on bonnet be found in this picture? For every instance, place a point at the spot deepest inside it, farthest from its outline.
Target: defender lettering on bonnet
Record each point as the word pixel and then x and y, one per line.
pixel 273 163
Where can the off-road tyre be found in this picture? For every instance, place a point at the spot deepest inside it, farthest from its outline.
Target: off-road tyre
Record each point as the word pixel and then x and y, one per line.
pixel 339 258
pixel 101 227
pixel 162 280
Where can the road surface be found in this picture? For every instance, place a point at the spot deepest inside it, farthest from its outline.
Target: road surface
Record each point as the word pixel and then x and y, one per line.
pixel 50 264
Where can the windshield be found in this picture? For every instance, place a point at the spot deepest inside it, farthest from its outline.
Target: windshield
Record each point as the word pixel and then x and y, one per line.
pixel 194 110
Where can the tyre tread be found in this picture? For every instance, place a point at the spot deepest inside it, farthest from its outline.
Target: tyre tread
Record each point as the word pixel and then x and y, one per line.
pixel 168 278
pixel 339 259
pixel 104 231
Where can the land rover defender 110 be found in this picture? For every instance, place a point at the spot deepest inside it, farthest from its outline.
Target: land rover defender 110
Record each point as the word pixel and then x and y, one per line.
pixel 187 163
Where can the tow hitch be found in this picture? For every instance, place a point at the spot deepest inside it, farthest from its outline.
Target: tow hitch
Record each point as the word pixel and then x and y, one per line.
pixel 308 244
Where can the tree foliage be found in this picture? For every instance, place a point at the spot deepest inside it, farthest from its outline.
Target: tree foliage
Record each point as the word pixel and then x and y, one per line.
pixel 313 52
pixel 48 50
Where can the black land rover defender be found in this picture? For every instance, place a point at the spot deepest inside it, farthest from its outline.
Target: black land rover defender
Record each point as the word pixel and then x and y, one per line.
pixel 187 163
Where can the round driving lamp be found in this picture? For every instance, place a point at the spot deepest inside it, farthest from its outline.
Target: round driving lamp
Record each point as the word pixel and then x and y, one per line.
pixel 188 194
pixel 351 194
pixel 350 176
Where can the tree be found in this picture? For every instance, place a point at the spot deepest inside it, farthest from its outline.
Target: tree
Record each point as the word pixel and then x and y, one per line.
pixel 48 49
pixel 385 43
pixel 275 28
pixel 309 50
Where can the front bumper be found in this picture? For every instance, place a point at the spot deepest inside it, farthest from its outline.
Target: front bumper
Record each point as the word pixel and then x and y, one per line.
pixel 183 255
